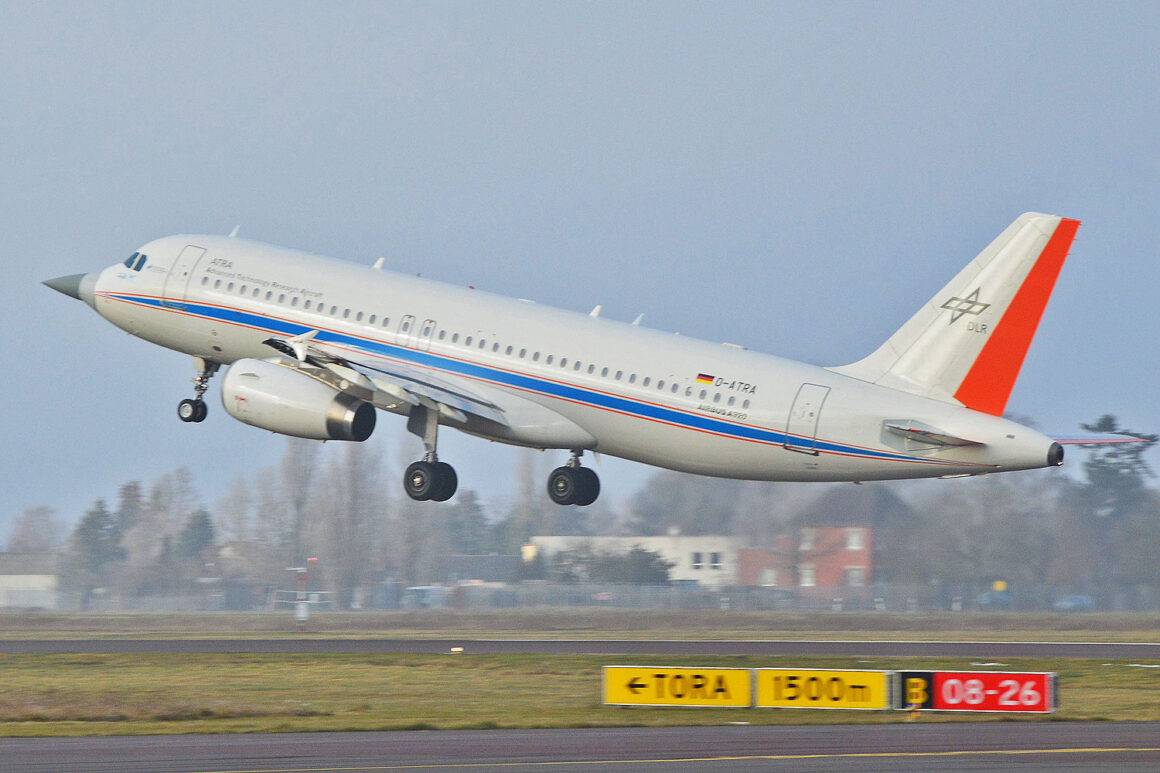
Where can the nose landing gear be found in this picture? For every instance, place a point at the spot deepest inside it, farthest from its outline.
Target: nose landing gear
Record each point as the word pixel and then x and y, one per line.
pixel 573 484
pixel 194 410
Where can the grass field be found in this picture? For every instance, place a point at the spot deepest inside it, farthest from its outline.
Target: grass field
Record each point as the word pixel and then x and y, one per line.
pixel 214 693
pixel 122 694
pixel 555 623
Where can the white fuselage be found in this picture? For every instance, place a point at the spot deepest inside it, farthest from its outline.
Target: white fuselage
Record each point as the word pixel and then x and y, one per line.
pixel 635 393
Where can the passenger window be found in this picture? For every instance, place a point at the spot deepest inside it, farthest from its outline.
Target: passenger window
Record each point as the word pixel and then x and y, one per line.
pixel 217 283
pixel 703 394
pixel 619 373
pixel 230 287
pixel 645 382
pixel 688 391
pixel 523 353
pixel 632 379
pixel 204 280
pixel 604 372
pixel 386 321
pixel 333 309
pixel 661 384
pixel 508 350
pixel 716 397
pixel 591 368
pixel 495 347
pixel 467 341
pixel 306 305
pixel 358 317
pixel 256 292
pixel 370 320
pixel 346 313
pixel 548 361
pixel 455 338
pixel 576 365
pixel 282 298
pixel 442 335
pixel 675 388
pixel 732 400
pixel 745 405
pixel 535 357
pixel 482 343
pixel 294 300
pixel 243 289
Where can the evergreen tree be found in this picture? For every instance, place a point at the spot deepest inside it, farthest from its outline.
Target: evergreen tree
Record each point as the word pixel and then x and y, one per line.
pixel 196 537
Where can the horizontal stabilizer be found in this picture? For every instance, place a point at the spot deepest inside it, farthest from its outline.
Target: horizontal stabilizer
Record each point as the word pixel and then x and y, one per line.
pixel 917 431
pixel 1097 439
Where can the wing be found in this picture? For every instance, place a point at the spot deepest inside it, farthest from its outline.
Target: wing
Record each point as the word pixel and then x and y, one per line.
pixel 389 383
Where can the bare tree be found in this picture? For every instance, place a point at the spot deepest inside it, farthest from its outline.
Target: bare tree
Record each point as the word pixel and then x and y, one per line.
pixel 36 530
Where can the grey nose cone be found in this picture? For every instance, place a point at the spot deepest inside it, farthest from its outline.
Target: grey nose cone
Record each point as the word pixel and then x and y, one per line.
pixel 79 286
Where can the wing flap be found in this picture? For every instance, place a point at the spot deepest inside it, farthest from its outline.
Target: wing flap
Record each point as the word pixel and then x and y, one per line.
pixel 391 383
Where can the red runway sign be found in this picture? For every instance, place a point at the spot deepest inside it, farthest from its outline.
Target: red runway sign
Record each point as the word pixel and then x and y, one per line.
pixel 977 691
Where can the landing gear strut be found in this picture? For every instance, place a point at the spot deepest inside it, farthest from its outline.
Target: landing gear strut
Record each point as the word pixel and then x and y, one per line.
pixel 573 484
pixel 194 410
pixel 429 478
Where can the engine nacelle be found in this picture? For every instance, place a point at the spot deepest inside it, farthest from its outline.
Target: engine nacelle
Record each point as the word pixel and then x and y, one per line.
pixel 267 395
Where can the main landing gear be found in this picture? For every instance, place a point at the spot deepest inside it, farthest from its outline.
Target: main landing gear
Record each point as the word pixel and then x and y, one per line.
pixel 428 478
pixel 194 410
pixel 573 484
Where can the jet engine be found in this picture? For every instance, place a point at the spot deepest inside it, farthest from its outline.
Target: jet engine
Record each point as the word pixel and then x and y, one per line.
pixel 281 399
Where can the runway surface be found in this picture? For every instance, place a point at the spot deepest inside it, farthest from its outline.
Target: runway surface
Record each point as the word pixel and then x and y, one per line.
pixel 918 746
pixel 990 650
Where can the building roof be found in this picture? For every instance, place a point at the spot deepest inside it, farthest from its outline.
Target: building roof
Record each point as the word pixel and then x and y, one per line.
pixel 29 563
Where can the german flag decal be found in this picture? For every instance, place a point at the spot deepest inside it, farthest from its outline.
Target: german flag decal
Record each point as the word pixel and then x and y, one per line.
pixel 704 378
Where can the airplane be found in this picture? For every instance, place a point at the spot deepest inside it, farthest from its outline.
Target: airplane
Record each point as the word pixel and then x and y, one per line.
pixel 314 346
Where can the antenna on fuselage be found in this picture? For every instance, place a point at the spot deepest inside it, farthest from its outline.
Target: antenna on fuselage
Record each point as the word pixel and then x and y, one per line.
pixel 379 264
pixel 234 233
pixel 639 318
pixel 595 313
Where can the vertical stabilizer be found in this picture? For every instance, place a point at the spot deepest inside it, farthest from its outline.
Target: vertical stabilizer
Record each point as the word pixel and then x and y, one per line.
pixel 967 344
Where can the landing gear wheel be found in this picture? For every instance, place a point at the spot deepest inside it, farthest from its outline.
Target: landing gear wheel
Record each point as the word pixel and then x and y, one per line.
pixel 563 485
pixel 192 410
pixel 446 482
pixel 589 487
pixel 420 481
pixel 573 486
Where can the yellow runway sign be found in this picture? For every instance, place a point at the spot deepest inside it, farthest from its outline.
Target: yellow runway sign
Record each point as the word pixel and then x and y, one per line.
pixel 788 688
pixel 666 686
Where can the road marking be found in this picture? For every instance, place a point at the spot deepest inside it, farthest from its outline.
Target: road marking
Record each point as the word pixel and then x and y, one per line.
pixel 692 760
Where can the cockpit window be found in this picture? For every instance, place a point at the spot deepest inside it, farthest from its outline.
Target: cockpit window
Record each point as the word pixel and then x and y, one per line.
pixel 136 261
pixel 131 259
pixel 140 263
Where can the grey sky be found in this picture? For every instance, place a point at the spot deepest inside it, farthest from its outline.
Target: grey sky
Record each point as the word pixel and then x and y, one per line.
pixel 794 177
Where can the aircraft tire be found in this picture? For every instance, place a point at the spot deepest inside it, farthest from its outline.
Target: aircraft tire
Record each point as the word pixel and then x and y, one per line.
pixel 589 486
pixel 187 410
pixel 420 481
pixel 202 411
pixel 446 482
pixel 563 486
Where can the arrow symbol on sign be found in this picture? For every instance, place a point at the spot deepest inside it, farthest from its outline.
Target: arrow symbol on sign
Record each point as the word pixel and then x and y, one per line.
pixel 635 685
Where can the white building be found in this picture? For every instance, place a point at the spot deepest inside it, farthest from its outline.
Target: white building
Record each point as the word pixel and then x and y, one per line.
pixel 29 581
pixel 709 560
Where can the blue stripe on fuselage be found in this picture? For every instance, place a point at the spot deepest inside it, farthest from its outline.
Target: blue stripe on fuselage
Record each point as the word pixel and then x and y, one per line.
pixel 515 380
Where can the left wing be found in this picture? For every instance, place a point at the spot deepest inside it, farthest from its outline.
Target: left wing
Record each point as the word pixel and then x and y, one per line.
pixel 390 384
